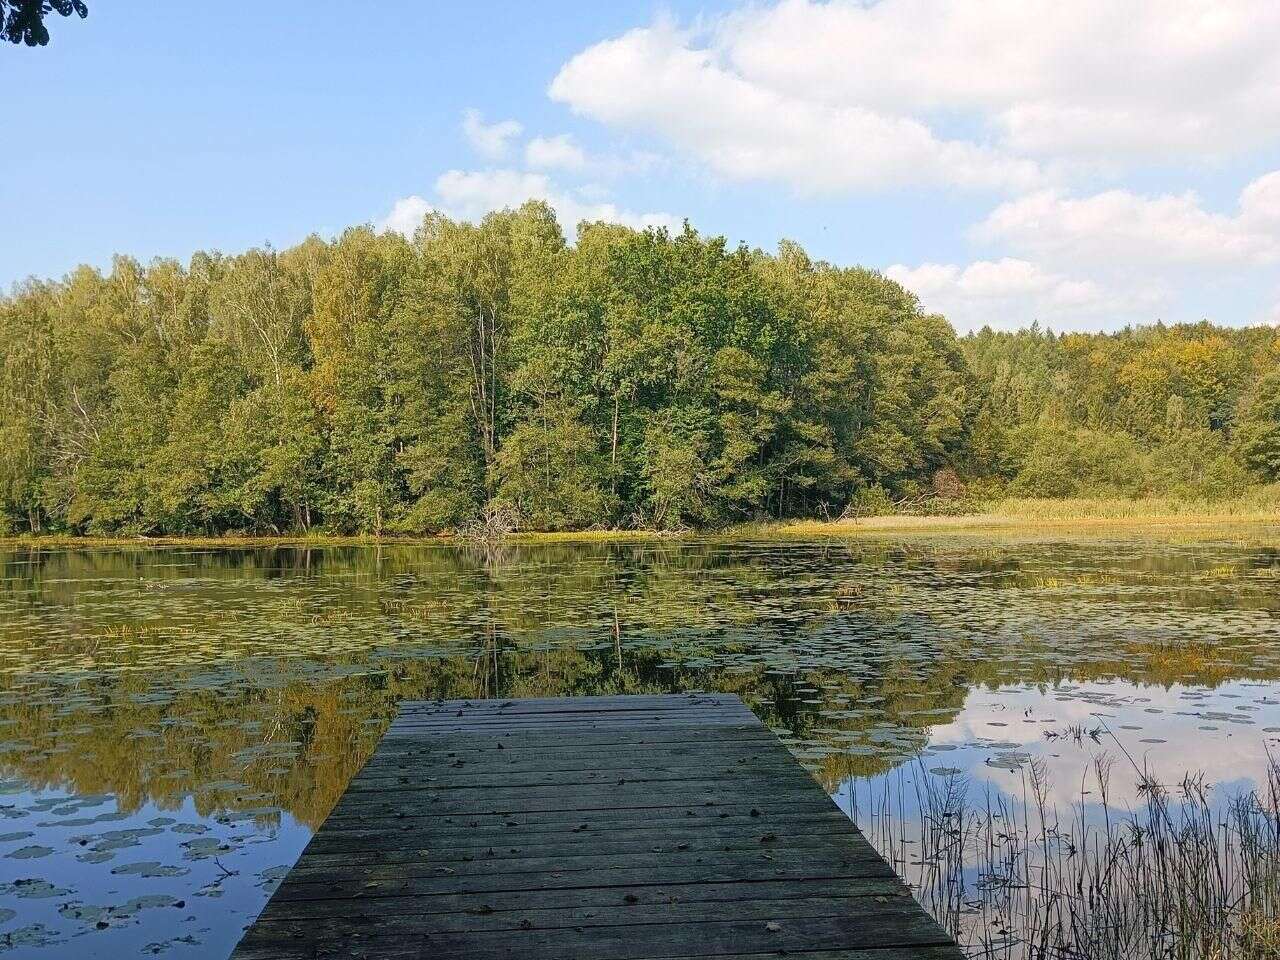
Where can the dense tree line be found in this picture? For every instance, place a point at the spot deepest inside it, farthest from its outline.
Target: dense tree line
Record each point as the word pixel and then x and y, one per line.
pixel 1190 410
pixel 382 384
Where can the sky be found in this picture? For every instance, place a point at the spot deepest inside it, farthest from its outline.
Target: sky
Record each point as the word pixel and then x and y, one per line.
pixel 1086 165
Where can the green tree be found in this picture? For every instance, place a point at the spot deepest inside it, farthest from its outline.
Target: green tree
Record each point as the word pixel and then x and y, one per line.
pixel 192 490
pixel 551 471
pixel 676 477
pixel 1258 436
pixel 274 463
pixel 356 293
pixel 376 384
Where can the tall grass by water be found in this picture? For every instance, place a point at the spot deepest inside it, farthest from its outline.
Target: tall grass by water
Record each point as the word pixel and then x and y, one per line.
pixel 1259 508
pixel 1183 874
pixel 1260 503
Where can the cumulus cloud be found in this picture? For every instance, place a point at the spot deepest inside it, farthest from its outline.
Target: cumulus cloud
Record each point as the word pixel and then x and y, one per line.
pixel 554 153
pixel 1010 293
pixel 1260 203
pixel 1106 259
pixel 656 80
pixel 406 215
pixel 1092 78
pixel 470 194
pixel 491 140
pixel 1119 225
pixel 847 95
pixel 1029 99
pixel 1040 103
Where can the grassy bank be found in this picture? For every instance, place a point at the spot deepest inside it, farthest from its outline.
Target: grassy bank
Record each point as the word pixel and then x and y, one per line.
pixel 1259 512
pixel 1260 509
pixel 225 541
pixel 237 541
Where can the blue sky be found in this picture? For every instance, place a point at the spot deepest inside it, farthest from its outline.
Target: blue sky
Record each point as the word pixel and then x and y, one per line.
pixel 1087 165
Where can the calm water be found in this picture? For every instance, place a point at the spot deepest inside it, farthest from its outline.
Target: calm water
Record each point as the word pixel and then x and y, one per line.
pixel 174 723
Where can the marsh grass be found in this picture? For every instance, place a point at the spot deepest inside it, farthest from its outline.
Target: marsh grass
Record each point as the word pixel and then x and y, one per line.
pixel 1183 875
pixel 1260 506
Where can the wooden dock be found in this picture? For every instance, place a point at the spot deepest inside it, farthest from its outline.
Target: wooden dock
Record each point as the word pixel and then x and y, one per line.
pixel 593 828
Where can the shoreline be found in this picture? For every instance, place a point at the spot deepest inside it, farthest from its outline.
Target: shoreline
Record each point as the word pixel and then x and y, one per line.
pixel 995 525
pixel 1042 518
pixel 233 541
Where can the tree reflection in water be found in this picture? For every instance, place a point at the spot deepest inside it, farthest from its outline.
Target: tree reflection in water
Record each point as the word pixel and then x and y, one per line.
pixel 250 684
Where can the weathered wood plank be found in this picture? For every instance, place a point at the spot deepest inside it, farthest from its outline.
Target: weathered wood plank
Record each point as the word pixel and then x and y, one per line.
pixel 637 778
pixel 597 828
pixel 466 846
pixel 398 866
pixel 891 928
pixel 304 888
pixel 679 818
pixel 623 734
pixel 681 711
pixel 745 759
pixel 381 924
pixel 649 811
pixel 624 804
pixel 514 901
pixel 656 727
pixel 606 704
pixel 529 771
pixel 653 723
pixel 343 951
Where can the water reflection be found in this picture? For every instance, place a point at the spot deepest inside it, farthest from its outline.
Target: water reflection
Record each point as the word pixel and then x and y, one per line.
pixel 1101 818
pixel 238 690
pixel 1220 732
pixel 93 878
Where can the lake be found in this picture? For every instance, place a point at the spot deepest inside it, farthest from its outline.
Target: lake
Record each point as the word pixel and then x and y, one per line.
pixel 175 722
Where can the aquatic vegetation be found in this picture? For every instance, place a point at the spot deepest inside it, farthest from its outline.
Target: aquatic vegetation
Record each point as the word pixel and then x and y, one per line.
pixel 175 721
pixel 1190 874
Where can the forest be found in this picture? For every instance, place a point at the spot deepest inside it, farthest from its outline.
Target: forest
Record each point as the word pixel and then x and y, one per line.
pixel 378 384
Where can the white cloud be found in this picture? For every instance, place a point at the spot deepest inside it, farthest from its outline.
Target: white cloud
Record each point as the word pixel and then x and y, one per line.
pixel 406 215
pixel 1010 293
pixel 849 95
pixel 491 140
pixel 1260 203
pixel 562 152
pixel 1091 78
pixel 1119 226
pixel 656 81
pixel 1109 259
pixel 470 194
pixel 554 153
pixel 1017 713
pixel 1045 103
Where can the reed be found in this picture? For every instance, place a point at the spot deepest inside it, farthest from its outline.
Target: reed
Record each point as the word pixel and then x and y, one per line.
pixel 1259 504
pixel 1258 507
pixel 1184 875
